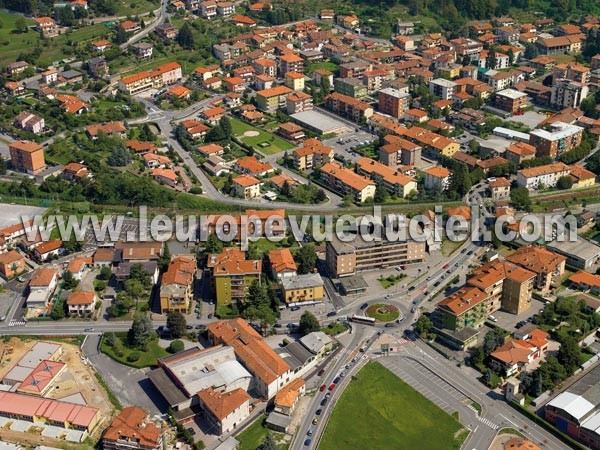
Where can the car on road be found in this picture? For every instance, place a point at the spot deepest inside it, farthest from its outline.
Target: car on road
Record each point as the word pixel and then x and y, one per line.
pixel 364 306
pixel 493 319
pixel 331 313
pixel 412 288
pixel 324 401
pixel 21 280
pixel 295 308
pixel 521 324
pixel 277 325
pixel 328 395
pixel 437 283
pixel 413 309
pixel 336 380
pixel 470 252
pixel 210 316
pixel 315 421
pixel 332 386
pixel 318 412
pixel 88 329
pixel 388 295
pixel 307 442
pixel 200 327
pixel 189 327
pixel 390 325
pixel 309 432
pixel 445 266
pixel 342 374
pixel 321 372
pixel 322 388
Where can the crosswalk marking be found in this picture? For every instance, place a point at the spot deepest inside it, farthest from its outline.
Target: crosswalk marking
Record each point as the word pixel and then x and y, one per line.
pixel 489 423
pixel 16 322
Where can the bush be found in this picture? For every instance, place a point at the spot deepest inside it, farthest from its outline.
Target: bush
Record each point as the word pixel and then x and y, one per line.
pixel 133 357
pixel 176 346
pixel 196 190
pixel 100 286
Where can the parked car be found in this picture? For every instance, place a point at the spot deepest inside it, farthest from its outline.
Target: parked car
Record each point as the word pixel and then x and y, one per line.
pixel 364 306
pixel 318 412
pixel 295 308
pixel 332 386
pixel 321 372
pixel 331 313
pixel 412 288
pixel 322 388
pixel 307 442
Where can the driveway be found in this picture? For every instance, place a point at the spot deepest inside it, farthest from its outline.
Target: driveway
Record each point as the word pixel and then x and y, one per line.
pixel 131 386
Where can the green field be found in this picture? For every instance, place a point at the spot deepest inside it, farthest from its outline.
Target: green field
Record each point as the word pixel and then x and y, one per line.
pixel 379 411
pixel 134 7
pixel 147 359
pixel 276 144
pixel 254 436
pixel 11 42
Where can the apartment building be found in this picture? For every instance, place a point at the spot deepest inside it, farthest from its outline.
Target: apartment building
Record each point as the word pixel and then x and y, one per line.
pixel 232 275
pixel 442 88
pixel 437 178
pixel 270 100
pixel 313 154
pixel 354 69
pixel 546 175
pixel 208 9
pixel 347 182
pixel 351 108
pixel 549 267
pixel 559 44
pixel 348 258
pixel 224 410
pixel 30 122
pixel 500 188
pixel 519 152
pixel 561 138
pixel 297 102
pixel 507 285
pixel 395 182
pixel 352 87
pixel 164 75
pixel 132 430
pixel 301 289
pixel 567 93
pixel 393 102
pixel 27 157
pixel 282 264
pixel 466 308
pixel 399 152
pixel 177 285
pixel 246 187
pixel 290 62
pixel 511 100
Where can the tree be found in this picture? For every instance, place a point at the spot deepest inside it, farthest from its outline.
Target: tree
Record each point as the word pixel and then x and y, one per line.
pixel 306 259
pixel 146 133
pixel 519 198
pixel 493 340
pixel 58 312
pixel 119 157
pixel 285 189
pixel 491 60
pixel 165 259
pixel 185 38
pixel 460 180
pixel 141 332
pixel 69 282
pixel 477 357
pixel 215 134
pixel 20 25
pixel 381 194
pixel 176 324
pixel 225 125
pixel 134 288
pixel 105 274
pixel 110 339
pixel 2 166
pixel 325 85
pixel 531 51
pixel 176 346
pixel 120 36
pixel 423 326
pixel 308 323
pixel 320 196
pixel 213 245
pixel 564 183
pixel 269 442
pixel 139 274
pixel 569 354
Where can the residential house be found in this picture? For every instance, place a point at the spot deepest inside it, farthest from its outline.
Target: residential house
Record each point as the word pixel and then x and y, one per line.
pixel 393 180
pixel 48 250
pixel 224 411
pixel 112 129
pixel 281 263
pixel 232 275
pixel 251 166
pixel 46 26
pixel 12 264
pixel 302 289
pixel 518 152
pixel 246 187
pixel 270 100
pixel 177 285
pixel 546 175
pixel 30 122
pixel 514 356
pixel 348 182
pixel 132 429
pixel 165 176
pixel 437 178
pixel 27 157
pixel 81 304
pixel 500 188
pixel 41 287
pixel 142 50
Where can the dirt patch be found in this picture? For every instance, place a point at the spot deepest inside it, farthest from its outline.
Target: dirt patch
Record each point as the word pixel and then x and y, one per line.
pixel 79 377
pixel 251 133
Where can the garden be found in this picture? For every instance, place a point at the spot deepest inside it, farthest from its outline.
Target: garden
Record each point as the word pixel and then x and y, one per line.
pixel 383 313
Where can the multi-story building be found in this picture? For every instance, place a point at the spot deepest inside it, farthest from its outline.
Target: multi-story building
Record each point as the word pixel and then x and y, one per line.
pixel 549 267
pixel 27 157
pixel 500 188
pixel 11 264
pixel 308 288
pixel 546 175
pixel 270 372
pixel 270 100
pixel 282 264
pixel 358 255
pixel 519 152
pixel 132 430
pixel 400 152
pixel 560 44
pixel 466 308
pixel 290 62
pixel 437 178
pixel 567 93
pixel 30 122
pixel 264 66
pixel 442 88
pixel 511 100
pixel 81 304
pixel 313 154
pixel 208 9
pixel 46 26
pixel 347 182
pixel 294 80
pixel 561 138
pixel 352 87
pixel 246 186
pixel 373 79
pixel 225 8
pixel 393 102
pixel 297 102
pixel 351 108
pixel 177 285
pixel 395 182
pixel 224 411
pixel 232 275
pixel 507 286
pixel 354 69
pixel 164 75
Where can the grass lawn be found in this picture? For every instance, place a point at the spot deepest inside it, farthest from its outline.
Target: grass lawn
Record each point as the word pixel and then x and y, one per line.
pixel 11 42
pixel 449 247
pixel 254 436
pixel 334 328
pixel 275 144
pixel 265 245
pixel 390 281
pixel 326 65
pixel 134 7
pixel 383 313
pixel 147 358
pixel 392 416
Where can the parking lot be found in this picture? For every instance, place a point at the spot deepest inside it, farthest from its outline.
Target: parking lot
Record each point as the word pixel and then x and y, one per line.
pixel 345 144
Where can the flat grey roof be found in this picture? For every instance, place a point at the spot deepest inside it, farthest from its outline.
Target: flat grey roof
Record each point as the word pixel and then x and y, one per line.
pixel 318 121
pixel 39 352
pixel 295 354
pixel 279 420
pixel 315 341
pixel 166 387
pixel 302 281
pixel 581 249
pixel 353 283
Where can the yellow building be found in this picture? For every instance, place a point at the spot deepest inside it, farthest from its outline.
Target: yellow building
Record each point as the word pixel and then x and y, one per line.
pixel 581 177
pixel 246 187
pixel 269 100
pixel 295 81
pixel 302 288
pixel 177 285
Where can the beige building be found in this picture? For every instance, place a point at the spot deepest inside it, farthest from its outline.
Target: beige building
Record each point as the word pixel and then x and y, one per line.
pixel 302 288
pixel 348 182
pixel 246 187
pixel 548 267
pixel 500 188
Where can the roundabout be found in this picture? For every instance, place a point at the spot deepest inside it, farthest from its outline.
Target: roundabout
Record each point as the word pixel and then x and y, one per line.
pixel 383 312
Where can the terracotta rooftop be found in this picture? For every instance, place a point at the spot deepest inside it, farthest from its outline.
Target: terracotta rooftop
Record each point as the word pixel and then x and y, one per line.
pixel 222 404
pixel 281 260
pixel 131 424
pixel 180 271
pixel 81 298
pixel 463 300
pixel 536 259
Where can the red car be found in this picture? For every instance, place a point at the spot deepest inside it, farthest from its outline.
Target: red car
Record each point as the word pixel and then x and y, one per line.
pixel 322 388
pixel 331 386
